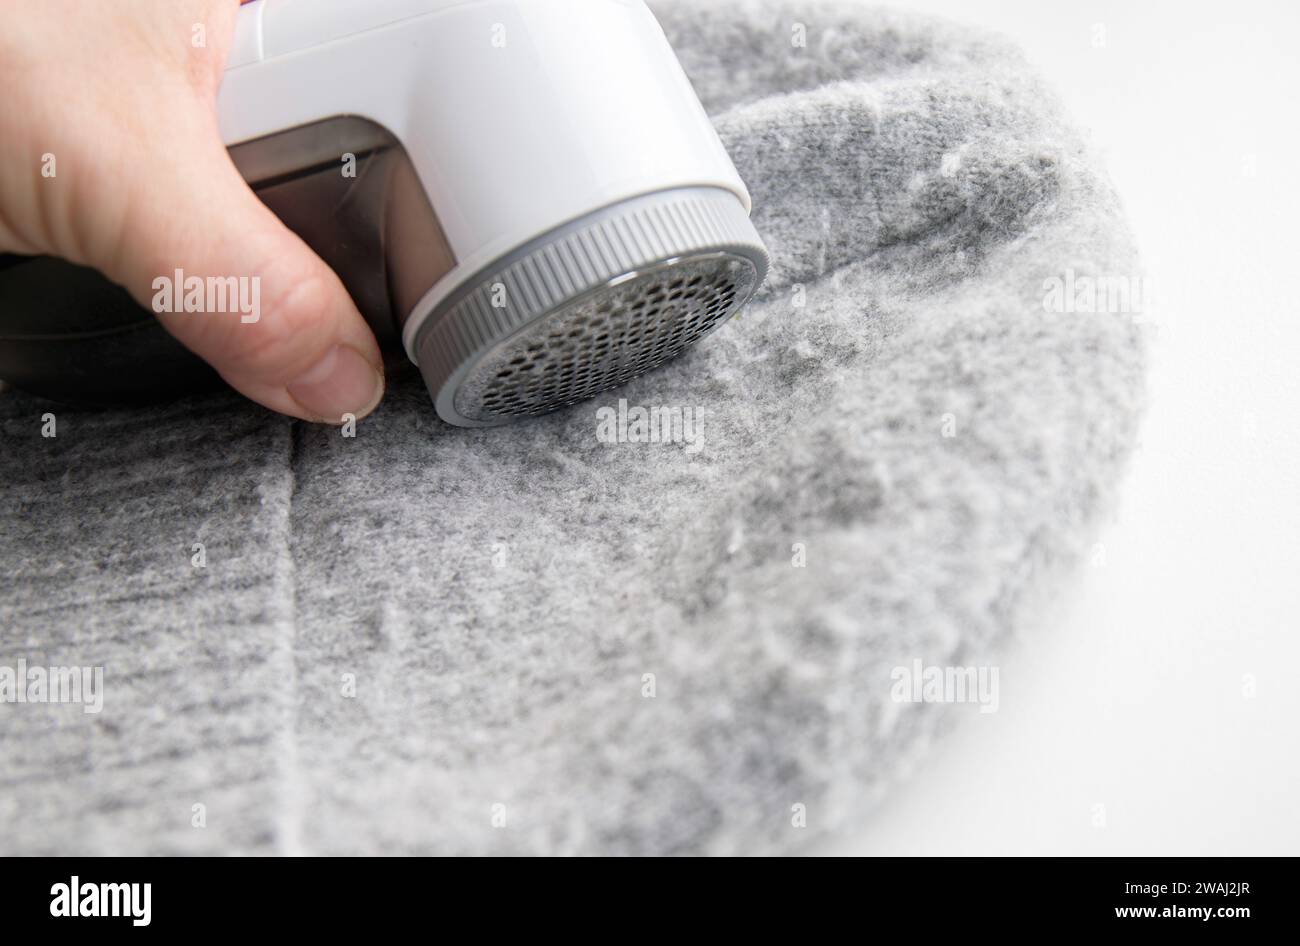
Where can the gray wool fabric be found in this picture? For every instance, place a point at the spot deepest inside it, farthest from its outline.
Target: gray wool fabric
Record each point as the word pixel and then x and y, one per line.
pixel 527 640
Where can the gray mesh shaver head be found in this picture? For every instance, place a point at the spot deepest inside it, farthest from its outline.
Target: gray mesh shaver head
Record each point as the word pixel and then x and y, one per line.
pixel 590 305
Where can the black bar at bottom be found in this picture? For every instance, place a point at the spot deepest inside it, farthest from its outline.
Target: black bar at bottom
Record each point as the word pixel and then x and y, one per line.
pixel 332 896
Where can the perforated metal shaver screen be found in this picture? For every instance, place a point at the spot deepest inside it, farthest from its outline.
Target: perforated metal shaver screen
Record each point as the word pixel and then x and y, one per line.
pixel 605 337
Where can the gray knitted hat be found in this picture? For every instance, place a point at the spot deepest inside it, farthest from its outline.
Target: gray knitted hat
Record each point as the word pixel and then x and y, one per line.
pixel 557 638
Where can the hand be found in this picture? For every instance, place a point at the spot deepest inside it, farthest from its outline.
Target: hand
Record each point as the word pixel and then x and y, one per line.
pixel 118 100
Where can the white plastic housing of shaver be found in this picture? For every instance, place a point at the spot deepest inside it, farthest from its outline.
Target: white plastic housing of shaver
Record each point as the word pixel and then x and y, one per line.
pixel 520 118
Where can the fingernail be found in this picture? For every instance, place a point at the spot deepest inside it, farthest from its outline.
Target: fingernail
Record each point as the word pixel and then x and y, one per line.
pixel 343 382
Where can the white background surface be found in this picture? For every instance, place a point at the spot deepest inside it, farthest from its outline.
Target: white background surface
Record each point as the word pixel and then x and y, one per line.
pixel 1135 693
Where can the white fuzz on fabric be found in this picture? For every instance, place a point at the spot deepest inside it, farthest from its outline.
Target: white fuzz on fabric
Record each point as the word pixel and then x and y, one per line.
pixel 529 639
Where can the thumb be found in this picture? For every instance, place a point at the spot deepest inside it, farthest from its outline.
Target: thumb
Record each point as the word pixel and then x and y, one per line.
pixel 286 335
